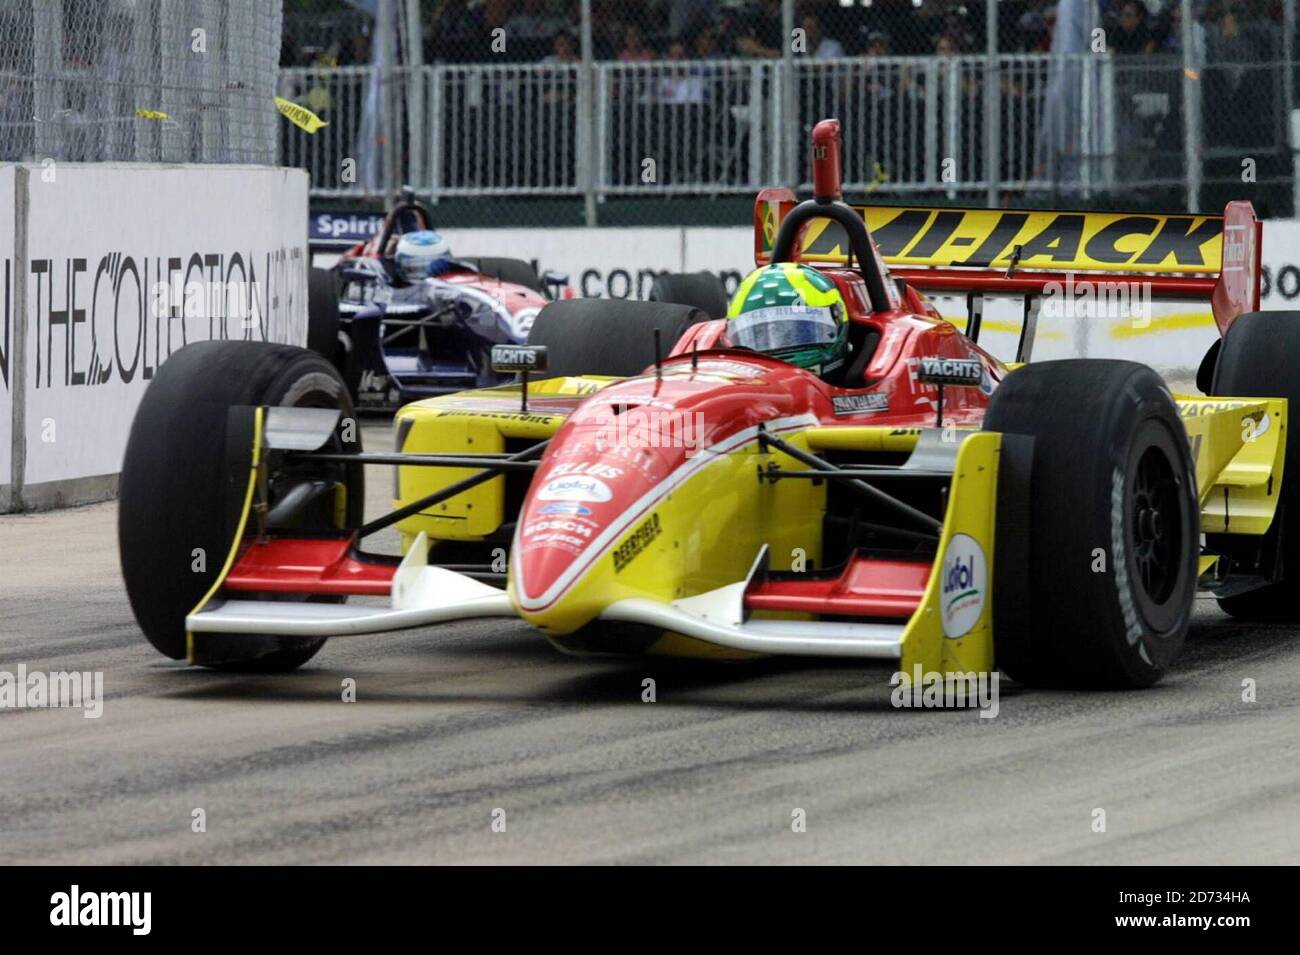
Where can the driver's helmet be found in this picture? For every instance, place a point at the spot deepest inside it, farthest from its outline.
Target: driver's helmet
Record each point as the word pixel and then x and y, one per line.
pixel 791 312
pixel 421 254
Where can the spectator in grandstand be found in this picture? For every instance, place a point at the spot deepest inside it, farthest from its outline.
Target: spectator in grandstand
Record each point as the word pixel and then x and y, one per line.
pixel 634 47
pixel 957 29
pixel 608 24
pixel 1239 99
pixel 914 29
pixel 764 33
pixel 535 21
pixel 1032 35
pixel 1130 34
pixel 706 45
pixel 680 86
pixel 686 17
pixel 944 45
pixel 456 31
pixel 878 44
pixel 357 50
pixel 562 90
pixel 818 45
pixel 564 49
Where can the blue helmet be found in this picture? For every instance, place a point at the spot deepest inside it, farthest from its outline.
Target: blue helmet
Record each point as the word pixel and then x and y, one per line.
pixel 421 254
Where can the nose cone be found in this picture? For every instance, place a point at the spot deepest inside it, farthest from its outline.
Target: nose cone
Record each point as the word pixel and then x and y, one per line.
pixel 590 492
pixel 626 481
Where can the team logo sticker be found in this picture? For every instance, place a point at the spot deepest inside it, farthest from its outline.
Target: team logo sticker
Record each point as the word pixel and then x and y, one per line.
pixel 572 509
pixel 964 586
pixel 636 542
pixel 575 488
pixel 868 403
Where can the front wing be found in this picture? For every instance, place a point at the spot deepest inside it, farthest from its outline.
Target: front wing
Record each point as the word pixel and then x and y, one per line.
pixel 947 622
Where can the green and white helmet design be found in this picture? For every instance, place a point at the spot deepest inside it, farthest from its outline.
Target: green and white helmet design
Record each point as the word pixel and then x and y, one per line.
pixel 791 312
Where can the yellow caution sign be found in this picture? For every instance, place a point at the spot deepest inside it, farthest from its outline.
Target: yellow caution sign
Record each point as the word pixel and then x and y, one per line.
pixel 300 116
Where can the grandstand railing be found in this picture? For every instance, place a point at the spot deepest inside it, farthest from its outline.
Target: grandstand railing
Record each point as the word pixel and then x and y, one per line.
pixel 1073 123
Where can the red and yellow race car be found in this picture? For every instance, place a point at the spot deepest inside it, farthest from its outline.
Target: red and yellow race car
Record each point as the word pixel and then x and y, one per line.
pixel 659 481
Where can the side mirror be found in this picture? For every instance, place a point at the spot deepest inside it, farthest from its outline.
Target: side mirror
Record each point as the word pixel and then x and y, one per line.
pixel 518 358
pixel 967 372
pixel 522 359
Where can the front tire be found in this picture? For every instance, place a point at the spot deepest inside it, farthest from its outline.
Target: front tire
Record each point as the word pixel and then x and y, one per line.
pixel 180 502
pixel 1113 525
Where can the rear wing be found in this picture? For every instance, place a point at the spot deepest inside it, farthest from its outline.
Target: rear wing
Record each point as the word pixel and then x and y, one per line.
pixel 1015 251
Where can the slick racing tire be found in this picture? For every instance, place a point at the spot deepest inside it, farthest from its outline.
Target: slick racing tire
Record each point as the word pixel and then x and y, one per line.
pixel 514 271
pixel 1255 361
pixel 180 499
pixel 1113 525
pixel 323 314
pixel 601 336
pixel 702 290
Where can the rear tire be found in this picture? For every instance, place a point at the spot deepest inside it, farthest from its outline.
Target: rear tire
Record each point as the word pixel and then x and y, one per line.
pixel 1113 525
pixel 514 271
pixel 323 314
pixel 600 336
pixel 702 290
pixel 1253 362
pixel 179 502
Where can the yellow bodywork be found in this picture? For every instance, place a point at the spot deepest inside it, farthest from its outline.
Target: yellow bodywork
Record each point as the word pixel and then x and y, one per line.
pixel 706 532
pixel 972 511
pixel 473 422
pixel 1239 445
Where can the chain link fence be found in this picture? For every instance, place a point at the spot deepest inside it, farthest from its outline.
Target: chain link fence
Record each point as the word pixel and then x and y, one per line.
pixel 547 111
pixel 139 80
pixel 611 102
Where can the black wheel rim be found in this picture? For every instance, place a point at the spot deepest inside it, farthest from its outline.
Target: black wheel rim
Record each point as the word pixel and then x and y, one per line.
pixel 1157 525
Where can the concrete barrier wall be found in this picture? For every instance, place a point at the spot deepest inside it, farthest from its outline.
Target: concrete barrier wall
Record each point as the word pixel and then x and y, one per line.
pixel 8 326
pixel 111 268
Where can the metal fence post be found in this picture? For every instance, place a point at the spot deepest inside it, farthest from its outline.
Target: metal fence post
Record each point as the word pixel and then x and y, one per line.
pixel 436 124
pixel 145 75
pixel 48 63
pixel 951 103
pixel 1288 98
pixel 789 126
pixel 756 136
pixel 415 75
pixel 587 106
pixel 1108 134
pixel 992 105
pixel 1191 113
pixel 932 146
pixel 1087 144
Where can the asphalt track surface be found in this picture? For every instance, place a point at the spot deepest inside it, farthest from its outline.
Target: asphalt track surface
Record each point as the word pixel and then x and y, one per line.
pixel 454 722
